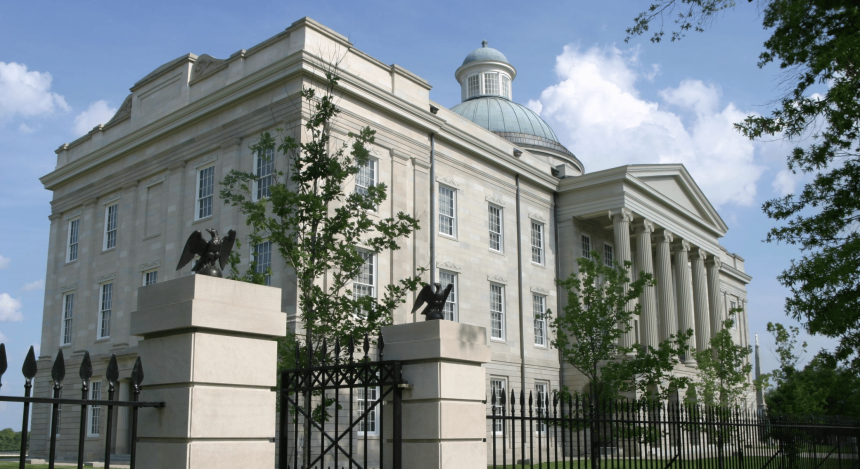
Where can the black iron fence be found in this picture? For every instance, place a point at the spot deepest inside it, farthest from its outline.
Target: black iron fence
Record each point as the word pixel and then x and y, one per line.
pixel 58 374
pixel 553 431
pixel 331 414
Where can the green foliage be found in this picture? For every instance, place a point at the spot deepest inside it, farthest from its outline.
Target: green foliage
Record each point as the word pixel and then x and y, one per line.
pixel 599 311
pixel 251 275
pixel 317 226
pixel 686 14
pixel 814 42
pixel 10 440
pixel 723 369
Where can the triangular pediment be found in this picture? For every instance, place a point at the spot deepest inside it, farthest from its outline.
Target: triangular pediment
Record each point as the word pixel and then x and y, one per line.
pixel 675 184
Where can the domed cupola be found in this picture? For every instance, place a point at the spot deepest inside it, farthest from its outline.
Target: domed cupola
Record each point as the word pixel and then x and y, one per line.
pixel 486 72
pixel 486 79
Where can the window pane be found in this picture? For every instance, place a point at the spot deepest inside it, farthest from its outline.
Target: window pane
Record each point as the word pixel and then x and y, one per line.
pixel 265 173
pixel 498 388
pixel 445 279
pixel 474 86
pixel 105 310
pixel 206 186
pixel 537 243
pixel 538 310
pixel 68 312
pixel 491 83
pixel 110 226
pixel 364 283
pixel 541 404
pixel 495 214
pixel 73 240
pixel 367 425
pixel 95 410
pixel 506 87
pixel 608 255
pixel 263 252
pixel 586 247
pixel 150 277
pixel 496 312
pixel 446 211
pixel 366 177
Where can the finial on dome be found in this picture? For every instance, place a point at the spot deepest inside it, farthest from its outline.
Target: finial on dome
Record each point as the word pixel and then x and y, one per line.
pixel 484 43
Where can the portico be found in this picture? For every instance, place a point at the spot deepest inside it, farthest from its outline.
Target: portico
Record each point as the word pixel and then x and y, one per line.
pixel 659 219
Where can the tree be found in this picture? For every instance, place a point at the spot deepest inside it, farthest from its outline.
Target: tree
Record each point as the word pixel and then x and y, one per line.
pixel 324 232
pixel 723 369
pixel 597 315
pixel 817 45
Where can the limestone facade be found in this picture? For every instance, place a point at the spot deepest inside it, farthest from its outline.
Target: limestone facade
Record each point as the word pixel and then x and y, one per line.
pixel 127 195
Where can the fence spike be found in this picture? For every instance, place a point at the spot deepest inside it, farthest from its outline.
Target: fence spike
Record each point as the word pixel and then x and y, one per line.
pixel 366 344
pixel 112 372
pixel 29 369
pixel 3 363
pixel 380 344
pixel 493 399
pixel 298 361
pixel 58 372
pixel 513 401
pixel 555 400
pixel 522 400
pixel 137 373
pixel 324 351
pixel 86 371
pixel 351 348
pixel 337 350
pixel 530 400
pixel 502 397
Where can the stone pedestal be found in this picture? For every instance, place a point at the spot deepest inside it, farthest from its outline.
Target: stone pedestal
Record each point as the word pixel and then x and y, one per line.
pixel 208 353
pixel 444 414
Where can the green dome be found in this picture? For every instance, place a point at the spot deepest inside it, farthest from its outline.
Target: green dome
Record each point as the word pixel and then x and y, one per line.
pixel 498 114
pixel 485 53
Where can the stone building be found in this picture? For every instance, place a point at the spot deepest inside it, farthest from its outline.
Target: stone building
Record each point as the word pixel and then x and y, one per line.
pixel 515 208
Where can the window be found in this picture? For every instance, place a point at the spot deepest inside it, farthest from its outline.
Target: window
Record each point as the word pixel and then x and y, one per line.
pixel 447 211
pixel 474 85
pixel 498 387
pixel 110 226
pixel 150 277
pixel 586 247
pixel 95 410
pixel 105 306
pixel 537 243
pixel 264 169
pixel 368 426
pixel 495 214
pixel 497 311
pixel 491 83
pixel 365 282
pixel 205 189
pixel 541 405
pixel 445 279
pixel 506 87
pixel 72 251
pixel 538 310
pixel 608 255
pixel 59 414
pixel 263 253
pixel 68 313
pixel 366 176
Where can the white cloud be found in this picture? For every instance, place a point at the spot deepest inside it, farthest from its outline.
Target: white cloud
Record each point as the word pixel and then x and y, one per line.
pixel 37 285
pixel 4 262
pixel 25 129
pixel 98 113
pixel 785 182
pixel 10 308
pixel 27 93
pixel 598 113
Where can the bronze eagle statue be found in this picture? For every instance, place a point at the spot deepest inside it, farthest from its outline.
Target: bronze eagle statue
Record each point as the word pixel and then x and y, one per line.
pixel 213 253
pixel 435 301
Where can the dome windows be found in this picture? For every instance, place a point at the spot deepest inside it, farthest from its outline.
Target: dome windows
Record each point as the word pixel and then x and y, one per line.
pixel 490 83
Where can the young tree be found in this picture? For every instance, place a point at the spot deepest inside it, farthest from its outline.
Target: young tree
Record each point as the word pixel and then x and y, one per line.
pixel 323 230
pixel 723 369
pixel 815 43
pixel 598 313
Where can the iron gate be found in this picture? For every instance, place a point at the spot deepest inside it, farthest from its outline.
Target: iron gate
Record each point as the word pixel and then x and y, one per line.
pixel 331 414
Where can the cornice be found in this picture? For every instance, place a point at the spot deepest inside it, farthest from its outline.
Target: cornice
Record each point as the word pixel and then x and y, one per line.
pixel 449 265
pixel 496 278
pixel 538 217
pixel 106 277
pixel 66 288
pixel 448 181
pixel 149 265
pixel 495 200
pixel 539 289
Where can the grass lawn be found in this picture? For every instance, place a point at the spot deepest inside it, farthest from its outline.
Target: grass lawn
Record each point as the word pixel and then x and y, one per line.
pixel 14 465
pixel 753 462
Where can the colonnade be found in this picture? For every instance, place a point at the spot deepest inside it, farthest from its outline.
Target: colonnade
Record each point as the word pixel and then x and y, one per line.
pixel 697 303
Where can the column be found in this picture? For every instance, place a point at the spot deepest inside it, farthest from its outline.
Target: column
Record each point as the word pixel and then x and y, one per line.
pixel 665 290
pixel 648 317
pixel 715 298
pixel 208 352
pixel 685 293
pixel 444 417
pixel 700 300
pixel 621 219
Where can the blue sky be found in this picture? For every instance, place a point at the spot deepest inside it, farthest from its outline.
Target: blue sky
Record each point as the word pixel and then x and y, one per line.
pixel 66 66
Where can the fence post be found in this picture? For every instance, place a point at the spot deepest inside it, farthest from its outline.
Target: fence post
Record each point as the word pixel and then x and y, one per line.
pixel 210 356
pixel 444 416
